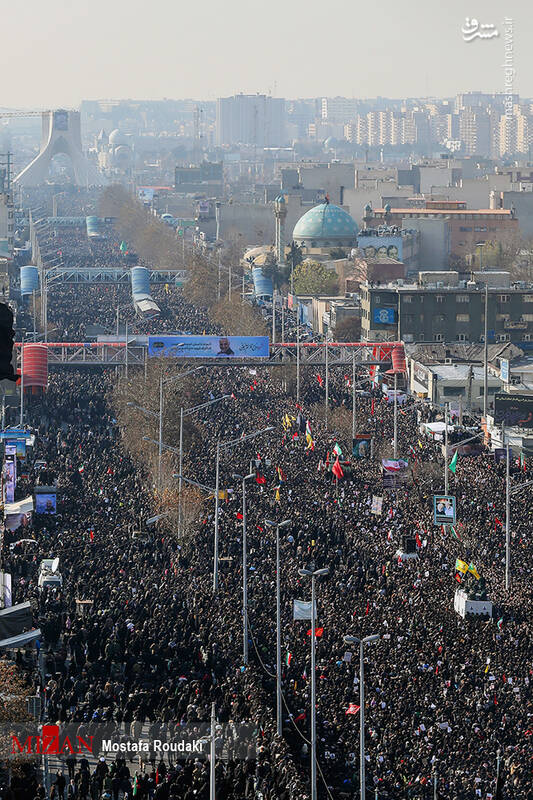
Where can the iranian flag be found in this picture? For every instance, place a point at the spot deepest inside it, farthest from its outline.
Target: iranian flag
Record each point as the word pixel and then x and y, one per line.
pixel 337 450
pixel 288 659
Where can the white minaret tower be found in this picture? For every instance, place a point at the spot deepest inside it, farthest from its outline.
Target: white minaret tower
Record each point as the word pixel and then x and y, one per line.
pixel 280 211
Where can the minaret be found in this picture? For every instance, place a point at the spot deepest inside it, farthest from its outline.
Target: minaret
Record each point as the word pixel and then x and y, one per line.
pixel 280 211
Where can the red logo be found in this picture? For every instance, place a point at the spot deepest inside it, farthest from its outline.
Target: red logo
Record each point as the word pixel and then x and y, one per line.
pixel 49 743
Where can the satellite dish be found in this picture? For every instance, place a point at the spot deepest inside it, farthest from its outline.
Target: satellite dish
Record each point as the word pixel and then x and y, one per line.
pixel 55 564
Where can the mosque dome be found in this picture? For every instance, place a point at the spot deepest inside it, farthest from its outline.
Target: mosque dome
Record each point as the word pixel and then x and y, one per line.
pixel 325 225
pixel 117 138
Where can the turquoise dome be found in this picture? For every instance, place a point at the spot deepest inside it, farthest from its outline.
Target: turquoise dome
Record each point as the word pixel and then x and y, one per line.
pixel 325 225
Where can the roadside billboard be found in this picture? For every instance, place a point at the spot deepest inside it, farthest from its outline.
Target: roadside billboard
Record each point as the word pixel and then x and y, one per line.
pixel 209 346
pixel 444 509
pixel 514 410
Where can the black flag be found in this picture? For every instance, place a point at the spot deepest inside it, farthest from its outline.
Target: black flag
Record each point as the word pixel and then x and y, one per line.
pixel 7 335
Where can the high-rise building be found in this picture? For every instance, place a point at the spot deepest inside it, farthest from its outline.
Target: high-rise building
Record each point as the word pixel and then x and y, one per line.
pixel 340 109
pixel 252 119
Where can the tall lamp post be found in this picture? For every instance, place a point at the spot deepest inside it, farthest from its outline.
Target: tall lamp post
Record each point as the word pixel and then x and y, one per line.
pixel 277 526
pixel 184 412
pixel 243 479
pixel 313 574
pixel 222 446
pixel 159 414
pixel 361 643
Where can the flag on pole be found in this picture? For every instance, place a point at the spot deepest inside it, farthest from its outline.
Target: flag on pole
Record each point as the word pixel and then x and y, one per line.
pixel 473 570
pixel 260 478
pixel 498 522
pixel 318 632
pixel 337 450
pixel 523 462
pixel 288 659
pixel 499 623
pixel 452 466
pixel 454 531
pixel 319 379
pixel 337 469
pixel 461 566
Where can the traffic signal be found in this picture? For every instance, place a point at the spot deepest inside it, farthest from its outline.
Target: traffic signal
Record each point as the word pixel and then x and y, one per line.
pixel 7 336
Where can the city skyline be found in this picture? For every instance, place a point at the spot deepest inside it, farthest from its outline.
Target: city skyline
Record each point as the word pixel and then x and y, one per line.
pixel 287 51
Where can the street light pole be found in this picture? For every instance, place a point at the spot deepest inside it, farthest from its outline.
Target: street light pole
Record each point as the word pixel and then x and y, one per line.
pixel 362 761
pixel 313 575
pixel 212 757
pixel 507 521
pixel 446 448
pixel 22 381
pixel 279 718
pixel 244 570
pixel 395 415
pixel 327 378
pixel 223 445
pixel 297 357
pixel 160 454
pixel 217 484
pixel 486 355
pixel 181 471
pixel 354 397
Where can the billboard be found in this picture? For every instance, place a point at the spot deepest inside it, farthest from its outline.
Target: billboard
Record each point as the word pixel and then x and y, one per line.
pixel 19 445
pixel 384 316
pixel 504 369
pixel 209 346
pixel 394 472
pixel 9 478
pixel 361 445
pixel 45 503
pixel 443 509
pixel 514 410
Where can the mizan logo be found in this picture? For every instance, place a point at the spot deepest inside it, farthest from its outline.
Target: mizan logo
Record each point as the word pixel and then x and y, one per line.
pixel 49 742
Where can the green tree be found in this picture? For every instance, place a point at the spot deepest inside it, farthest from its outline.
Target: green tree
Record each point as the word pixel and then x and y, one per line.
pixel 312 277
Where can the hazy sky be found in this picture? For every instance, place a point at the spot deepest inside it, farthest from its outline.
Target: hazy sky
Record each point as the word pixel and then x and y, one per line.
pixel 58 52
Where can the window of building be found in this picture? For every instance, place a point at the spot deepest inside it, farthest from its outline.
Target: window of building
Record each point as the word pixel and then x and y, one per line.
pixel 453 391
pixel 528 298
pixel 503 337
pixel 527 337
pixel 439 298
pixel 438 337
pixel 461 337
pixel 439 318
pixel 377 300
pixel 408 318
pixel 462 298
pixel 408 337
pixel 462 317
pixel 527 317
pixel 465 230
pixel 502 317
pixel 407 298
pixel 504 298
pixel 480 228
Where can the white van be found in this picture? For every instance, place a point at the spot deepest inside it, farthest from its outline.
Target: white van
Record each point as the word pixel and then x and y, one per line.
pixel 49 577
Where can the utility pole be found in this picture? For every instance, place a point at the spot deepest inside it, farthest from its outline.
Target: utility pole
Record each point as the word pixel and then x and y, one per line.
pixel 354 397
pixel 395 415
pixel 217 484
pixel 298 358
pixel 446 448
pixel 486 355
pixel 327 378
pixel 22 381
pixel 274 317
pixel 212 757
pixel 507 519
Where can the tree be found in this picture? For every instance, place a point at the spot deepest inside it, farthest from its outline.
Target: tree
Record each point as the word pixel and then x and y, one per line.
pixel 312 277
pixel 338 252
pixel 241 318
pixel 278 273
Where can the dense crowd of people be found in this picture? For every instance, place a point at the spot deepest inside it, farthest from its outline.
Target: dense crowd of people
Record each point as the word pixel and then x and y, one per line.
pixel 155 647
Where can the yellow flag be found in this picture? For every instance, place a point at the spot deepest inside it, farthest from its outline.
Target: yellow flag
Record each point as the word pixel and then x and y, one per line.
pixel 277 495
